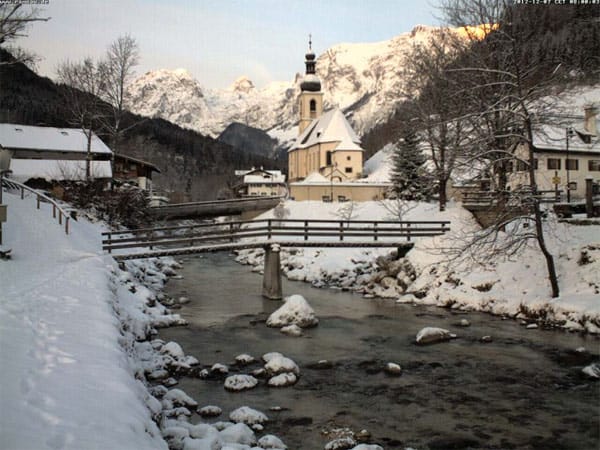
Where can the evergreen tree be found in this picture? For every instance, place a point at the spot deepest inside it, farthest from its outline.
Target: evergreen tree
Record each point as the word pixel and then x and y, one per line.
pixel 409 176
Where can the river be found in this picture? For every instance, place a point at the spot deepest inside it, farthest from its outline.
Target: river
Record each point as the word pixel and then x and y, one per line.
pixel 523 390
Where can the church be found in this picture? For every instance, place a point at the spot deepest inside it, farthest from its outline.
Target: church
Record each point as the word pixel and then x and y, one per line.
pixel 326 160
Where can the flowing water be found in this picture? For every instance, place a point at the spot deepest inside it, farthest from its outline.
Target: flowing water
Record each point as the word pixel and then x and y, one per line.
pixel 524 390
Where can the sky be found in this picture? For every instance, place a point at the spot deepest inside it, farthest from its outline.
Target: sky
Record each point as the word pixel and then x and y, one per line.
pixel 218 41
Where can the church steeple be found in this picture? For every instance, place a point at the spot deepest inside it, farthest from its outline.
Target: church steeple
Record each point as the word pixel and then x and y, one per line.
pixel 311 82
pixel 311 97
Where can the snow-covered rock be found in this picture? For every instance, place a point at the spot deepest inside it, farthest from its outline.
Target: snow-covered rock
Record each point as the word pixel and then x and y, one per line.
pixel 240 382
pixel 292 330
pixel 269 441
pixel 210 411
pixel 219 369
pixel 295 310
pixel 238 433
pixel 429 335
pixel 368 447
pixel 283 379
pixel 393 369
pixel 179 398
pixel 269 356
pixel 343 443
pixel 592 371
pixel 281 364
pixel 173 349
pixel 248 415
pixel 244 359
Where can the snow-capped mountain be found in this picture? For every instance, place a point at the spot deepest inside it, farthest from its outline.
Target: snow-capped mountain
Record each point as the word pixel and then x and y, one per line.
pixel 364 80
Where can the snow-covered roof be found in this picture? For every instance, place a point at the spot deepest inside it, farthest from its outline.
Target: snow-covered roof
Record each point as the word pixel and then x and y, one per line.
pixel 315 177
pixel 553 137
pixel 330 127
pixel 274 179
pixel 24 137
pixel 25 169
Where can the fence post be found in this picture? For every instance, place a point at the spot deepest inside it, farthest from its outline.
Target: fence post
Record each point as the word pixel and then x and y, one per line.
pixel 38 202
pixel 151 238
pixel 109 242
pixel 269 223
pixel 408 231
pixel 230 232
pixel 66 225
pixel 22 193
pixel 53 211
pixel 375 230
pixel 341 230
pixel 306 230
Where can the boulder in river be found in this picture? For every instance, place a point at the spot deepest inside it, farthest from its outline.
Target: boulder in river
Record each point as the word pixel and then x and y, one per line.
pixel 592 371
pixel 430 335
pixel 210 411
pixel 295 310
pixel 281 364
pixel 248 415
pixel 283 379
pixel 240 382
pixel 393 369
pixel 270 441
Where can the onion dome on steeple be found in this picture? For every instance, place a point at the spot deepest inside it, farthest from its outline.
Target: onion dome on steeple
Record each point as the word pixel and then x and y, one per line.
pixel 311 81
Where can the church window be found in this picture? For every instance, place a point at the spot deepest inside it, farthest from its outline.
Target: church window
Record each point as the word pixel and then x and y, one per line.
pixel 328 158
pixel 348 169
pixel 313 105
pixel 348 158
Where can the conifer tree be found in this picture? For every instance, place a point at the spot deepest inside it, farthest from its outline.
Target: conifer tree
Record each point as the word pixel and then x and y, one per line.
pixel 409 176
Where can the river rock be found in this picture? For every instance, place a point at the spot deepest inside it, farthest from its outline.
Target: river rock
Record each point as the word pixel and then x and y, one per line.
pixel 239 433
pixel 248 415
pixel 363 435
pixel 240 382
pixel 210 411
pixel 269 356
pixel 219 369
pixel 173 349
pixel 464 323
pixel 430 335
pixel 344 443
pixel 281 364
pixel 244 359
pixel 369 447
pixel 592 371
pixel 283 380
pixel 270 441
pixel 393 369
pixel 292 330
pixel 486 339
pixel 531 326
pixel 179 398
pixel 295 310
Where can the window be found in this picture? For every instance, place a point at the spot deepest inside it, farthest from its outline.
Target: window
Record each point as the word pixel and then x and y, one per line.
pixel 535 164
pixel 348 158
pixel 572 164
pixel 509 167
pixel 328 158
pixel 326 198
pixel 572 186
pixel 521 166
pixel 313 106
pixel 553 164
pixel 594 165
pixel 348 169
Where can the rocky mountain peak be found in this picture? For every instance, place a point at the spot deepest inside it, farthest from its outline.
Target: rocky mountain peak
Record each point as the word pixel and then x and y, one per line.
pixel 242 84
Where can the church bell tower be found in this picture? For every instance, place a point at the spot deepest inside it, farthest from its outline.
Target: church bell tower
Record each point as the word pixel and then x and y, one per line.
pixel 311 97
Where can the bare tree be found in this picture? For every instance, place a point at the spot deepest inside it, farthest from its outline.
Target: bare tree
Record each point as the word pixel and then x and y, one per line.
pixel 121 58
pixel 84 83
pixel 502 92
pixel 15 18
pixel 438 111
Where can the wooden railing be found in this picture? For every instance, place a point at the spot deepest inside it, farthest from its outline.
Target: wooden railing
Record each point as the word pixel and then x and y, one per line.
pixel 57 210
pixel 287 232
pixel 510 197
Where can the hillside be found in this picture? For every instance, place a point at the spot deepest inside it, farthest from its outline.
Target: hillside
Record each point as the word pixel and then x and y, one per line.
pixel 193 166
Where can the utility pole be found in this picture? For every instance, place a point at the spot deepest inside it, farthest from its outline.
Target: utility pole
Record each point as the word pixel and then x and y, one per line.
pixel 568 133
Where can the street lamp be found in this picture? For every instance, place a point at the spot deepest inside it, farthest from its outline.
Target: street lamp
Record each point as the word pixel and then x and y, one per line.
pixel 568 133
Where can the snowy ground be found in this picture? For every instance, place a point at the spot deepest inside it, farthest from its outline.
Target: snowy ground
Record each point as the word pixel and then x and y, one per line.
pixel 516 286
pixel 66 381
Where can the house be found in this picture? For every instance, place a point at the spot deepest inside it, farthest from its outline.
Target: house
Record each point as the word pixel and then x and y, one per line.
pixel 326 160
pixel 565 155
pixel 52 154
pixel 260 182
pixel 134 170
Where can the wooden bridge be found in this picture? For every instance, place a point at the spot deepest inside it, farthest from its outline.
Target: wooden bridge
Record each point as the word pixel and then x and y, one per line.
pixel 214 208
pixel 270 234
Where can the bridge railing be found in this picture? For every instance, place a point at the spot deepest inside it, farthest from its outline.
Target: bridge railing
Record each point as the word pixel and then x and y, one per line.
pixel 298 232
pixel 510 198
pixel 57 210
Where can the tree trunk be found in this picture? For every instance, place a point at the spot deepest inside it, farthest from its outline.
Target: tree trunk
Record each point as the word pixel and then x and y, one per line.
pixel 88 156
pixel 443 182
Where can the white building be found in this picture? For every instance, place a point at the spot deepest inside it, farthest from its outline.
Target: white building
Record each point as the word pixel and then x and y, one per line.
pixel 53 154
pixel 261 183
pixel 565 156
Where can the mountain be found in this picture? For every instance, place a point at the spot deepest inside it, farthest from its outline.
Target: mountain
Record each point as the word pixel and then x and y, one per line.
pixel 364 80
pixel 193 166
pixel 249 139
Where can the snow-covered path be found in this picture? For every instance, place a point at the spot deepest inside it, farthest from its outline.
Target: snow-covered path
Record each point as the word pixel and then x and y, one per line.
pixel 65 380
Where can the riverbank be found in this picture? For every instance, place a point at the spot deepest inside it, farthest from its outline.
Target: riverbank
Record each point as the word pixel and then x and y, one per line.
pixel 513 285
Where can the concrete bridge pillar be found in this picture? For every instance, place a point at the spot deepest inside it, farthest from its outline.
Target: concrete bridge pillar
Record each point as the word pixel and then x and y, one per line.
pixel 272 273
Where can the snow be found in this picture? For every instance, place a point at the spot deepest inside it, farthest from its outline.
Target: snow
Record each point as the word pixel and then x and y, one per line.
pixel 47 169
pixel 269 441
pixel 281 364
pixel 247 415
pixel 240 382
pixel 66 380
pixel 283 379
pixel 592 371
pixel 294 311
pixel 332 126
pixel 45 139
pixel 429 335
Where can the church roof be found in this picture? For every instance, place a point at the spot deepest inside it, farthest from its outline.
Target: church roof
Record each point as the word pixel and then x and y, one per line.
pixel 330 127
